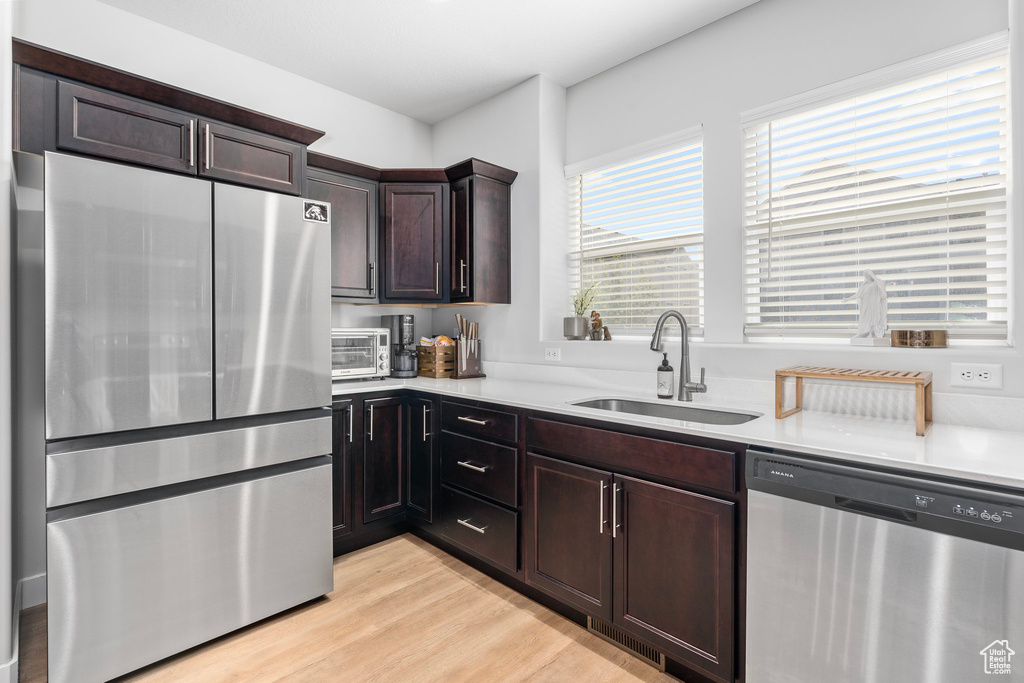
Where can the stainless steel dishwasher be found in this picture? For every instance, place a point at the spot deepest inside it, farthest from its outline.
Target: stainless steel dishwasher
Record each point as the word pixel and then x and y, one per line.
pixel 863 576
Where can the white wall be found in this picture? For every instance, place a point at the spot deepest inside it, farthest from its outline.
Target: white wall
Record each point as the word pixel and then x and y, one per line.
pixel 771 50
pixel 356 129
pixel 523 129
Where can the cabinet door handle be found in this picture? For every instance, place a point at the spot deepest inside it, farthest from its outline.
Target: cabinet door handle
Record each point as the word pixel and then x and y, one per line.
pixel 425 418
pixel 351 411
pixel 469 466
pixel 371 422
pixel 604 486
pixel 462 275
pixel 437 277
pixel 474 421
pixel 465 522
pixel 191 143
pixel 615 508
pixel 373 280
pixel 207 147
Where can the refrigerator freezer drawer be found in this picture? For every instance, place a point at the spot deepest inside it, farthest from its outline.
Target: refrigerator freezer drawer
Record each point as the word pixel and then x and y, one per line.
pixel 130 586
pixel 273 306
pixel 82 475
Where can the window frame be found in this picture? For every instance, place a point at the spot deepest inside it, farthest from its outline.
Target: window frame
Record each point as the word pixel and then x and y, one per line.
pixel 894 75
pixel 573 174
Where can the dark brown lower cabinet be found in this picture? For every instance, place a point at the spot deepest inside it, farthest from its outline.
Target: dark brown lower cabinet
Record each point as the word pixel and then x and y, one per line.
pixel 342 414
pixel 382 473
pixel 421 471
pixel 568 533
pixel 655 561
pixel 674 580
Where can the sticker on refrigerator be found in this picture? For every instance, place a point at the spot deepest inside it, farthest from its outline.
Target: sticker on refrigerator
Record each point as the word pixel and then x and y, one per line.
pixel 316 212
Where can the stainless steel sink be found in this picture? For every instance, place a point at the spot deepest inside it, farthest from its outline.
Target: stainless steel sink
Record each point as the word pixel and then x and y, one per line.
pixel 671 411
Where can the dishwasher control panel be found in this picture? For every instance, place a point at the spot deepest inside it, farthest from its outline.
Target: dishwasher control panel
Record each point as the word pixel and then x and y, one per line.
pixel 896 496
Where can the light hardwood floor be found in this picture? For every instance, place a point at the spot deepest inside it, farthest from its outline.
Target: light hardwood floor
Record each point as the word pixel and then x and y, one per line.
pixel 401 610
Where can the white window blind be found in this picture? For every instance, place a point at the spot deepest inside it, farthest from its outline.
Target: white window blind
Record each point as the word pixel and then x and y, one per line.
pixel 637 230
pixel 909 181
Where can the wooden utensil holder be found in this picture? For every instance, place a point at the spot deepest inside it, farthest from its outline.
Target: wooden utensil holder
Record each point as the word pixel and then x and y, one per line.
pixel 467 359
pixel 922 382
pixel 436 362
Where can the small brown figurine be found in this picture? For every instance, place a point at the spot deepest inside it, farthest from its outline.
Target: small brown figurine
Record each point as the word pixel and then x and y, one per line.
pixel 595 321
pixel 607 334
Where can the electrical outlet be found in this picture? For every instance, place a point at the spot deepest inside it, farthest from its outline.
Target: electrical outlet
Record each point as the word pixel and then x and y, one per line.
pixel 976 375
pixel 553 355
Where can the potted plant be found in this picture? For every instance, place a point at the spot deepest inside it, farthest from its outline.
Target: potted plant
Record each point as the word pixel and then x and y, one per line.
pixel 577 326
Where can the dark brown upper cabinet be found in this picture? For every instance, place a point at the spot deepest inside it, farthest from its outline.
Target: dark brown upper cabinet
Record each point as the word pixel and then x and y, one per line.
pixel 248 158
pixel 353 232
pixel 66 103
pixel 108 125
pixel 481 244
pixel 414 242
pixel 105 124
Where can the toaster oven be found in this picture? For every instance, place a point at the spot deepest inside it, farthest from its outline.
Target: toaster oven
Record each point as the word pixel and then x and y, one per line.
pixel 358 353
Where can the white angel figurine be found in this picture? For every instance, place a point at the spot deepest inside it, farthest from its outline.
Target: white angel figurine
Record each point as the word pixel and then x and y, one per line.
pixel 873 307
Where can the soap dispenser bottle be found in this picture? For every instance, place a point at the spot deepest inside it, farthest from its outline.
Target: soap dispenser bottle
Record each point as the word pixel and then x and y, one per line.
pixel 666 378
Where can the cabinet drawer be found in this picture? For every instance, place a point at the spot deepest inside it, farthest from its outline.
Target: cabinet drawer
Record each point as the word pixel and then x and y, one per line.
pixel 248 158
pixel 481 527
pixel 118 127
pixel 485 423
pixel 481 467
pixel 664 460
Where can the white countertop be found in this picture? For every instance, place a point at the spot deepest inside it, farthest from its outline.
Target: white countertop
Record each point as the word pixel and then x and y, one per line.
pixel 980 455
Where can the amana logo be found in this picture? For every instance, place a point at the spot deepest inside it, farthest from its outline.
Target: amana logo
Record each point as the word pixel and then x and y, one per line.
pixel 782 474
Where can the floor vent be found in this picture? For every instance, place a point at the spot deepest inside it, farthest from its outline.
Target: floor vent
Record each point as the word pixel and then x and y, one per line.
pixel 627 643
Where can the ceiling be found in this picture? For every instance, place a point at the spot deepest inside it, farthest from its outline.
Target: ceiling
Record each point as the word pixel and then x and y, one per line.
pixel 429 59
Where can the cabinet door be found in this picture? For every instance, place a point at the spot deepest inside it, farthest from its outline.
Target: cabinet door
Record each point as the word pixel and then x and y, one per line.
pixel 674 581
pixel 353 232
pixel 343 413
pixel 414 240
pixel 422 470
pixel 248 158
pixel 382 458
pixel 461 283
pixel 97 122
pixel 568 533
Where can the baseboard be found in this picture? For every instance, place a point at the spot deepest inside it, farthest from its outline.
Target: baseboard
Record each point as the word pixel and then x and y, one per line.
pixel 9 670
pixel 33 590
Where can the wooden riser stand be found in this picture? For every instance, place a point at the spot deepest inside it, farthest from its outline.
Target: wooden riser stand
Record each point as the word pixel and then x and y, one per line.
pixel 922 382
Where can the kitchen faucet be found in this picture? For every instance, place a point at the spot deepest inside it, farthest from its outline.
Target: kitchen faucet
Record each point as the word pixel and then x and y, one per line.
pixel 686 387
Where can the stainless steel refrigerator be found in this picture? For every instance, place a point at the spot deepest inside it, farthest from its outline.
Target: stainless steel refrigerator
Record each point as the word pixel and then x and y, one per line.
pixel 173 371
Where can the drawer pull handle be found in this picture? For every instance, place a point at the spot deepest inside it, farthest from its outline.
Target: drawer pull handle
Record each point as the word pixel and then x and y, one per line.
pixel 191 143
pixel 426 419
pixel 474 421
pixel 207 147
pixel 467 465
pixel 465 522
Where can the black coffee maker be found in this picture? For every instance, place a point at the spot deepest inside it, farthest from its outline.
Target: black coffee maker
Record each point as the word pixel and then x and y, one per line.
pixel 403 358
